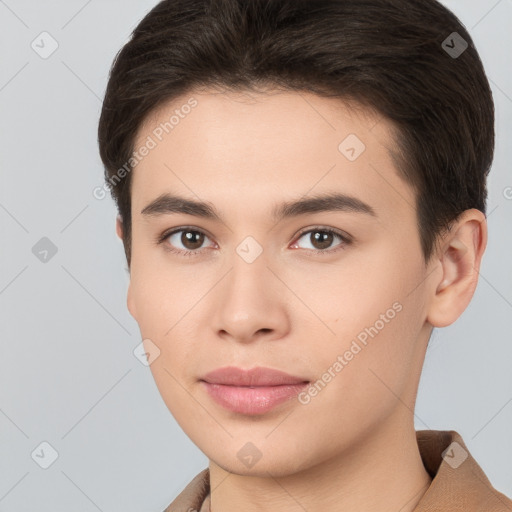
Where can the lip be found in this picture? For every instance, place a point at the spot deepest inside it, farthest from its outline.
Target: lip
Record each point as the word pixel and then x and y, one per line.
pixel 258 376
pixel 254 391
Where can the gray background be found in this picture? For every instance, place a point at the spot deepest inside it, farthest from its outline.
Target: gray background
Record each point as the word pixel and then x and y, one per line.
pixel 68 373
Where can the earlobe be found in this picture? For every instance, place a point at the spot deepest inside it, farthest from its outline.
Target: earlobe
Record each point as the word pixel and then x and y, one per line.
pixel 119 226
pixel 460 255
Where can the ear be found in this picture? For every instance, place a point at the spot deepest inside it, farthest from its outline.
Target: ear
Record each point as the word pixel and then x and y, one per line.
pixel 130 303
pixel 129 299
pixel 459 256
pixel 119 226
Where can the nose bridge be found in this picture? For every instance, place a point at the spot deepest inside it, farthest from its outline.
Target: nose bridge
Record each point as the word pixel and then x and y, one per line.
pixel 249 301
pixel 248 281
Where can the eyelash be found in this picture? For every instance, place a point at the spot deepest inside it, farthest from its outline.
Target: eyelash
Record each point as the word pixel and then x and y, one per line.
pixel 346 240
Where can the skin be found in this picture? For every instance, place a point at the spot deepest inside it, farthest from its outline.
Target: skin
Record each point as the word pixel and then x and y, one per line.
pixel 292 308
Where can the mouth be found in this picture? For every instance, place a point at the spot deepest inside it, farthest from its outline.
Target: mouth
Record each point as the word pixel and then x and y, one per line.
pixel 252 392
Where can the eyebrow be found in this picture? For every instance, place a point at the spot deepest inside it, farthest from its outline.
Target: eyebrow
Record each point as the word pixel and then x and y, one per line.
pixel 169 203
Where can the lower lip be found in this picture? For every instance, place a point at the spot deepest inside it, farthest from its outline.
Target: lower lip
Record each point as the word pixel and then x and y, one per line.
pixel 257 400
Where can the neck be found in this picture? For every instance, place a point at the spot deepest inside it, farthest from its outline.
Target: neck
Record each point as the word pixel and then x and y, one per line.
pixel 381 472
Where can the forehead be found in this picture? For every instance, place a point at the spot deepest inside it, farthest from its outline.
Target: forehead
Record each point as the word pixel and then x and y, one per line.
pixel 247 146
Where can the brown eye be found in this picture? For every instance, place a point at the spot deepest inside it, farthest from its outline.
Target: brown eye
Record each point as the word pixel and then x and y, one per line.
pixel 192 239
pixel 321 240
pixel 185 241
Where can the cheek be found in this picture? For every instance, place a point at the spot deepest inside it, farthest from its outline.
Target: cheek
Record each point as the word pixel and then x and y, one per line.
pixel 348 293
pixel 160 296
pixel 375 323
pixel 359 382
pixel 163 321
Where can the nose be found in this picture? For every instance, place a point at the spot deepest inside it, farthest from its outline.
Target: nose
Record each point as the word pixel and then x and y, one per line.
pixel 251 302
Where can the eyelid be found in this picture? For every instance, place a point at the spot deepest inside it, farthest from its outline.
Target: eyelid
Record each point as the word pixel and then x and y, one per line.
pixel 342 234
pixel 167 233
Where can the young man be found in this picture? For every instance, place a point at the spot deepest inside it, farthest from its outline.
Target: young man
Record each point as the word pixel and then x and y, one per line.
pixel 301 189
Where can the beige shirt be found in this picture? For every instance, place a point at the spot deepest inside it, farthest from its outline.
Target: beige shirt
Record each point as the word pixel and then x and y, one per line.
pixel 458 482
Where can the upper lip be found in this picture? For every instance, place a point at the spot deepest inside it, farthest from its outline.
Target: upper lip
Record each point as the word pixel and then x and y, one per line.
pixel 259 376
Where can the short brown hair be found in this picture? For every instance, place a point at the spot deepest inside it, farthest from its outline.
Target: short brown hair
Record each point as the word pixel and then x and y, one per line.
pixel 392 56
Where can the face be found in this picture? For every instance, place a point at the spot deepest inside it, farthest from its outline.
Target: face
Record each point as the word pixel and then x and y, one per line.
pixel 332 292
